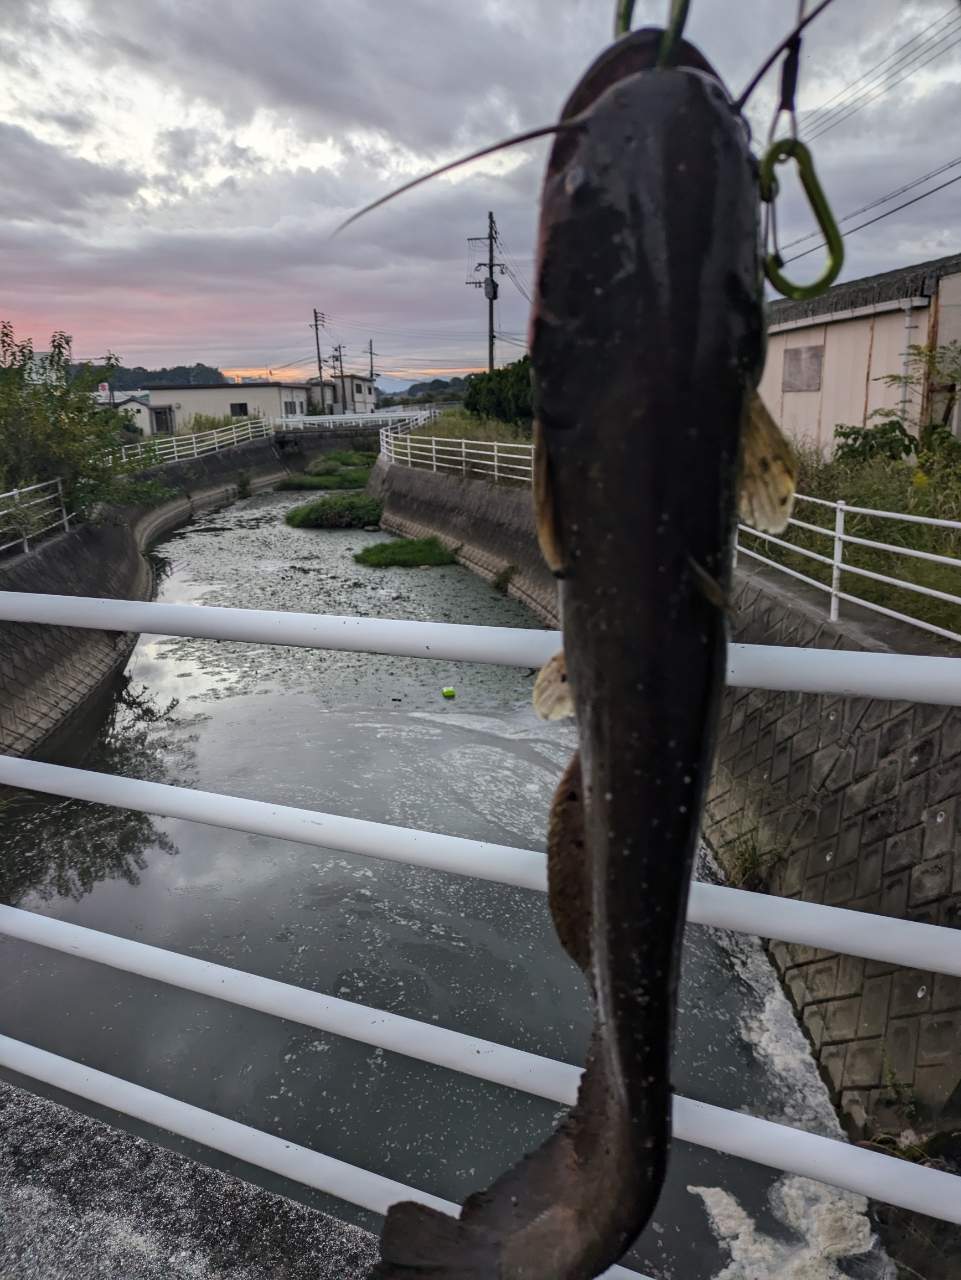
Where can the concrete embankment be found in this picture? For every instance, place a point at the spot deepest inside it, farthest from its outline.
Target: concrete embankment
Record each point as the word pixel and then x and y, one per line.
pixel 55 679
pixel 855 802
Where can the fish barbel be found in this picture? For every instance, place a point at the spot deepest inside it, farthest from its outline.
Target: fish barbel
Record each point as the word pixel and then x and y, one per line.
pixel 647 344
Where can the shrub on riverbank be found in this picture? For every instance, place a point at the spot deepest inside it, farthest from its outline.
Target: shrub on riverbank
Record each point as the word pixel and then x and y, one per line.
pixel 408 553
pixel 458 424
pixel 337 513
pixel 52 428
pixel 342 469
pixel 930 486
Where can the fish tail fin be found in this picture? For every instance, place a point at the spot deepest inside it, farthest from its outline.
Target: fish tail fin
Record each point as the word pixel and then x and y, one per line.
pixel 420 1243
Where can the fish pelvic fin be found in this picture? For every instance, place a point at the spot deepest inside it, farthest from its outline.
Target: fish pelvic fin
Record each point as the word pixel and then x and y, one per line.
pixel 568 866
pixel 552 691
pixel 768 472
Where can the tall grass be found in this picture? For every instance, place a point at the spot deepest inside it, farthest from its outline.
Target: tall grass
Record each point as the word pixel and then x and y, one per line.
pixel 931 486
pixel 458 424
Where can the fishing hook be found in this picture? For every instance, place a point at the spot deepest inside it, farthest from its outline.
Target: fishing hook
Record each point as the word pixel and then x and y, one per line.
pixel 624 11
pixel 792 148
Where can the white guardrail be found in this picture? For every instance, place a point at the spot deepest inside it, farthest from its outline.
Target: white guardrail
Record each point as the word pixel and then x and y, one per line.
pixel 29 513
pixel 902 942
pixel 515 462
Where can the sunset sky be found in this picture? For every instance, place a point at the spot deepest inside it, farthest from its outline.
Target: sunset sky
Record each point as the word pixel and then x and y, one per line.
pixel 172 169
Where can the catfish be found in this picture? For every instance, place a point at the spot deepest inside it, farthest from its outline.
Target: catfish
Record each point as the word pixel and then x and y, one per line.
pixel 647 343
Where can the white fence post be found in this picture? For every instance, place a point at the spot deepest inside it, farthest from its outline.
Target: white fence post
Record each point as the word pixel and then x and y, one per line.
pixel 838 559
pixel 495 461
pixel 433 453
pixel 63 509
pixel 463 456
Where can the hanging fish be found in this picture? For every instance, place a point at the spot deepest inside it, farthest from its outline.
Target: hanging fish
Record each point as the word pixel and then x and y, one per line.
pixel 647 344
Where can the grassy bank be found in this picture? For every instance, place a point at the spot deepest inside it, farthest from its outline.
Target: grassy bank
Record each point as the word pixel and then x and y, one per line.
pixel 929 487
pixel 458 424
pixel 338 512
pixel 343 469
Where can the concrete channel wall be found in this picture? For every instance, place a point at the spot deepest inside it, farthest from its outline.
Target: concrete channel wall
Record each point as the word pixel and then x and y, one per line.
pixel 850 802
pixel 53 679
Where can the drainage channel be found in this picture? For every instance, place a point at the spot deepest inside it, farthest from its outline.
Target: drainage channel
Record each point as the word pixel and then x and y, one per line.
pixel 374 737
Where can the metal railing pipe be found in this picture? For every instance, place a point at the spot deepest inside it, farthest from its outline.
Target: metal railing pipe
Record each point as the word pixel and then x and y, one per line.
pixel 869 1173
pixel 846 673
pixel 425 1041
pixel 904 942
pixel 523 868
pixel 763 1141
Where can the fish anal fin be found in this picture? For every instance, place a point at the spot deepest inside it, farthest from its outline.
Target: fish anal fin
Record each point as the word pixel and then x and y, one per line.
pixel 768 472
pixel 552 691
pixel 568 866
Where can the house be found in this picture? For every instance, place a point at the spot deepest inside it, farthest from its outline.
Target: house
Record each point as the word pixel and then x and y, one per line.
pixel 346 393
pixel 174 406
pixel 826 355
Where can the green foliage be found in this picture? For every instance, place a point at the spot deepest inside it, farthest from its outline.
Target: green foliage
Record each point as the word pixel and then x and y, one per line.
pixel 243 484
pixel 889 439
pixel 930 486
pixel 133 379
pixel 346 478
pixel 337 513
pixel 409 553
pixel 331 463
pixel 212 422
pixel 504 394
pixel 50 427
pixel 460 424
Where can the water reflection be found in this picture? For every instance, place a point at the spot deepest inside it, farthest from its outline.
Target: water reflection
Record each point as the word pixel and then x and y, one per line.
pixel 64 848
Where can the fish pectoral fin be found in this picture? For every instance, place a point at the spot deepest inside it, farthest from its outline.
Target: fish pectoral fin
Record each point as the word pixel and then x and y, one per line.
pixel 768 472
pixel 711 590
pixel 552 691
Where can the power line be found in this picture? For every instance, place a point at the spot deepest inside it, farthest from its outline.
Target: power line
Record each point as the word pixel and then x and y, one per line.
pixel 892 195
pixel 952 12
pixel 872 92
pixel 924 195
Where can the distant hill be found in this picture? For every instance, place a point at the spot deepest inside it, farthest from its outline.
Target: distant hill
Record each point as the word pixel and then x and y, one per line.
pixel 132 379
pixel 426 392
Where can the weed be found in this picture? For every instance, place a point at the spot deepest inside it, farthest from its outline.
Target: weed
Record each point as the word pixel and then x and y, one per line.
pixel 337 513
pixel 243 484
pixel 344 478
pixel 502 578
pixel 747 862
pixel 458 424
pixel 410 553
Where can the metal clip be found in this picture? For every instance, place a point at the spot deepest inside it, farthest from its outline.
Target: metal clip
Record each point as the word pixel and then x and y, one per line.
pixel 785 149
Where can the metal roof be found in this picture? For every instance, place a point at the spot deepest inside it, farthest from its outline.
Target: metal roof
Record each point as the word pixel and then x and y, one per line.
pixel 918 281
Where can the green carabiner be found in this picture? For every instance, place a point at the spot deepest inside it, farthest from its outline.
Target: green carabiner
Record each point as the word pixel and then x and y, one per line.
pixel 677 16
pixel 785 149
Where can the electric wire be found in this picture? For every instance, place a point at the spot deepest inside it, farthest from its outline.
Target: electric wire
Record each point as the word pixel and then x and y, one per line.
pixel 871 93
pixel 924 195
pixel 892 195
pixel 952 12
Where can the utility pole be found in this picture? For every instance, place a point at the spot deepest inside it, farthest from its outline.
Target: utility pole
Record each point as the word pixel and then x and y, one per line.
pixel 320 322
pixel 338 356
pixel 372 353
pixel 488 284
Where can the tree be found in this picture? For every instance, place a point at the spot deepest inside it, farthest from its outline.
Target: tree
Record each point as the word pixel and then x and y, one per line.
pixel 52 428
pixel 504 394
pixel 936 370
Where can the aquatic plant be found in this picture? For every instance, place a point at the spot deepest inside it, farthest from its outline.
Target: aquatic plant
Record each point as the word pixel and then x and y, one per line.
pixel 337 513
pixel 409 553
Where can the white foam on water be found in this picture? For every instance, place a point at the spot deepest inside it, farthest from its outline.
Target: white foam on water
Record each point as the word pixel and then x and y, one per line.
pixel 831 1227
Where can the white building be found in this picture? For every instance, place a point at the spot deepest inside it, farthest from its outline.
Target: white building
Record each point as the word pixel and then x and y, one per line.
pixel 174 406
pixel 826 355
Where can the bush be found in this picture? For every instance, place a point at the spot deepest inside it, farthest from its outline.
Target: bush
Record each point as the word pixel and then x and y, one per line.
pixel 409 553
pixel 889 439
pixel 345 478
pixel 504 394
pixel 243 484
pixel 51 427
pixel 337 513
pixel 331 463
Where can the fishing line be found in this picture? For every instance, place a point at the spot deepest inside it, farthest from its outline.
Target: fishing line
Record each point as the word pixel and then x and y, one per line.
pixel 563 126
pixel 772 58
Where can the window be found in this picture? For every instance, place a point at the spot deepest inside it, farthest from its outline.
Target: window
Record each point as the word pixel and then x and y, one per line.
pixel 239 410
pixel 802 369
pixel 290 407
pixel 301 406
pixel 358 389
pixel 163 420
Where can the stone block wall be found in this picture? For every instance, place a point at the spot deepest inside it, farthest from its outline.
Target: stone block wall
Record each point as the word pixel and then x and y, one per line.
pixel 862 798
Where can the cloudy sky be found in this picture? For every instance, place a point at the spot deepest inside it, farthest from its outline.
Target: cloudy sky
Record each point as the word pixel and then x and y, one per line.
pixel 172 169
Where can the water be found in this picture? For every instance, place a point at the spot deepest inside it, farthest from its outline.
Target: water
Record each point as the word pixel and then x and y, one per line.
pixel 373 737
